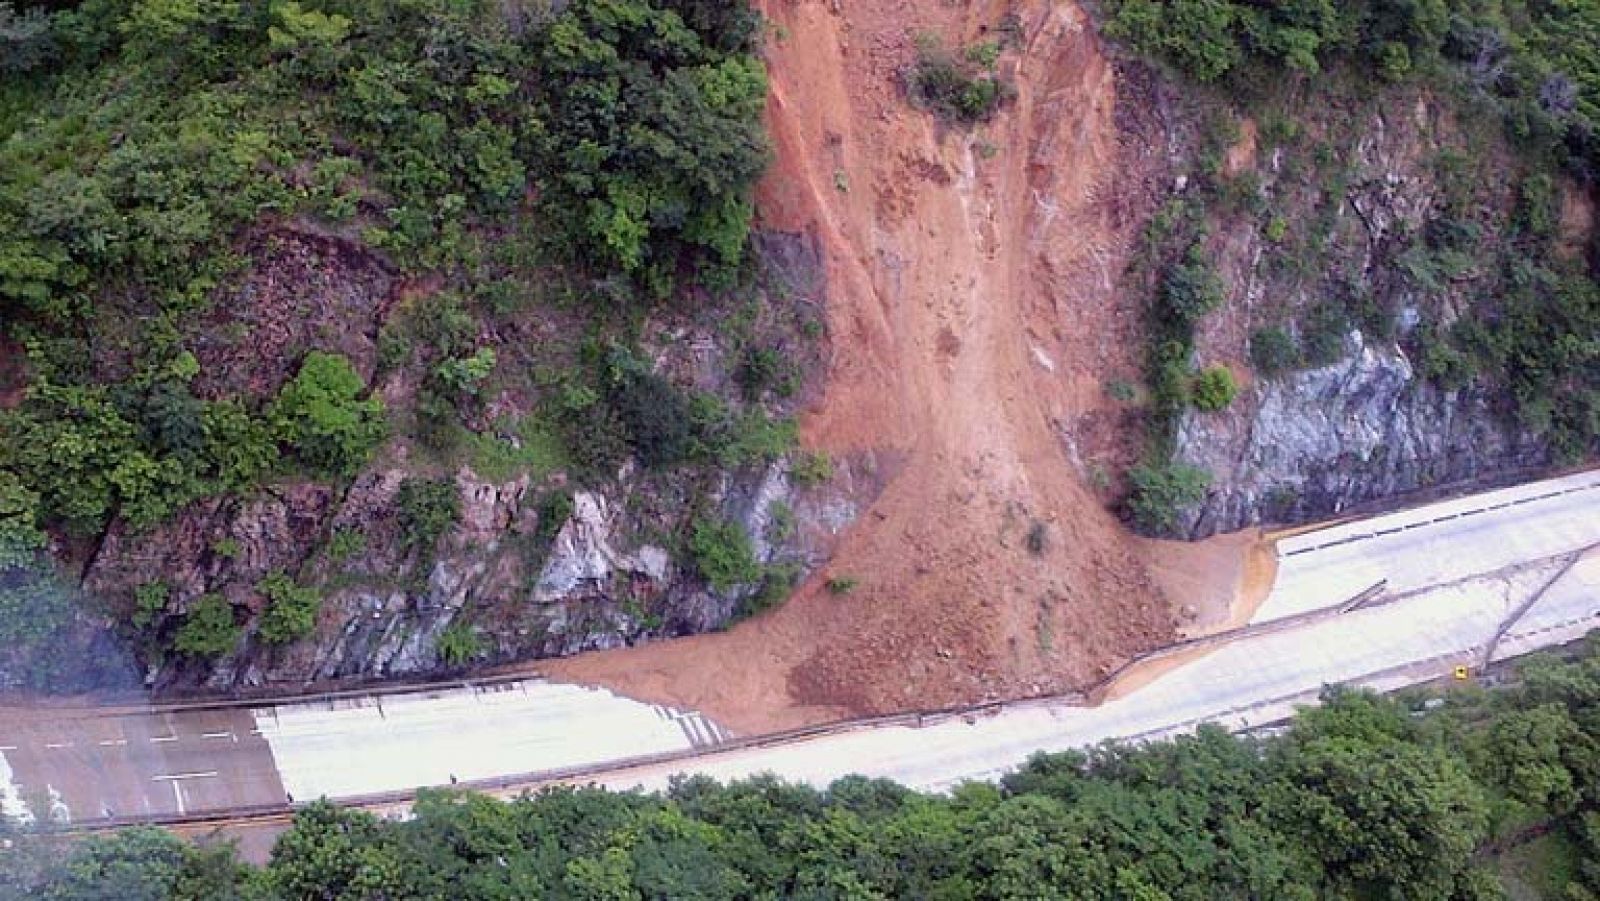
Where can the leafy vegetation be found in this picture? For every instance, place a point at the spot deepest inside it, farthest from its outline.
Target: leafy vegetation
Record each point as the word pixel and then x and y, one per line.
pixel 1160 493
pixel 156 159
pixel 1213 389
pixel 1363 797
pixel 427 508
pixel 458 644
pixel 723 554
pixel 320 414
pixel 1534 67
pixel 208 629
pixel 958 88
pixel 149 602
pixel 291 612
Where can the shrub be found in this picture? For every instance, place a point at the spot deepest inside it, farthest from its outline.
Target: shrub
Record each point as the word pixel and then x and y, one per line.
pixel 763 369
pixel 464 376
pixel 1273 352
pixel 208 630
pixel 1213 389
pixel 240 447
pixel 149 600
pixel 320 414
pixel 291 612
pixel 723 554
pixel 555 508
pixel 458 644
pixel 1190 290
pixel 345 543
pixel 777 583
pixel 656 415
pixel 961 90
pixel 810 468
pixel 1160 492
pixel 20 538
pixel 842 585
pixel 427 508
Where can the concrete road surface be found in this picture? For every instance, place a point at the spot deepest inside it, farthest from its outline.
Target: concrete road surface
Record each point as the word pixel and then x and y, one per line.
pixel 1455 572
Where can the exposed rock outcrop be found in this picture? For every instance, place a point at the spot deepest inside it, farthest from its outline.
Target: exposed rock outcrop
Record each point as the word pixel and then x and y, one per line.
pixel 1364 428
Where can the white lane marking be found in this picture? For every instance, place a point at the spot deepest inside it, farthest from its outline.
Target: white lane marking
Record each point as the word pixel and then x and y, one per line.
pixel 225 734
pixel 113 742
pixel 178 777
pixel 177 795
pixel 164 738
pixel 57 745
pixel 8 747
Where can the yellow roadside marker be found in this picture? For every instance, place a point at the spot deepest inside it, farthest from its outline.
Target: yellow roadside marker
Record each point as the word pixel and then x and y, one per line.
pixel 1461 674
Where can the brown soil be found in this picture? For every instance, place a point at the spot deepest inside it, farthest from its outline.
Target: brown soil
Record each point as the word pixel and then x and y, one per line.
pixel 973 318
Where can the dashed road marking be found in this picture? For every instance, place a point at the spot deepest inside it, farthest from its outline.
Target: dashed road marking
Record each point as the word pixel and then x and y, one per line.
pixel 57 745
pixel 113 742
pixel 161 738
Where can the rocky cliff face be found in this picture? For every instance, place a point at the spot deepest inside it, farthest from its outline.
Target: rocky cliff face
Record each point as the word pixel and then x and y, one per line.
pixel 530 567
pixel 1364 428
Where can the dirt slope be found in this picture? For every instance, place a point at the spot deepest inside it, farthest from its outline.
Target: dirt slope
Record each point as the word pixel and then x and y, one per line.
pixel 971 313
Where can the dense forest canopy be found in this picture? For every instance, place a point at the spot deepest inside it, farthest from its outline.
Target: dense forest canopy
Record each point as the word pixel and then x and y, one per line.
pixel 1363 798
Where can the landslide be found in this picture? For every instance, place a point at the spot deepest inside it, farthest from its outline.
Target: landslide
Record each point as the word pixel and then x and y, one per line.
pixel 972 313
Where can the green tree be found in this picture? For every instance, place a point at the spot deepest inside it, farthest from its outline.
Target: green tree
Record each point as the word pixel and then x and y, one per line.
pixel 291 612
pixel 208 629
pixel 322 416
pixel 1160 494
pixel 723 553
pixel 20 537
pixel 1214 389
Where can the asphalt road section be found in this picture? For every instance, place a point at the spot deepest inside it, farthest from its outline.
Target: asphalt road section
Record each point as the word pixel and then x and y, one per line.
pixel 1501 573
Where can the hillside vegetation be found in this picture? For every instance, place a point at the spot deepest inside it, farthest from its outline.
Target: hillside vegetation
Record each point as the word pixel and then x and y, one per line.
pixel 1477 279
pixel 1364 797
pixel 253 242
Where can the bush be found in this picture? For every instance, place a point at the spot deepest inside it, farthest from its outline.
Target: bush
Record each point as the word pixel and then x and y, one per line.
pixel 240 447
pixel 723 554
pixel 462 377
pixel 1273 352
pixel 291 612
pixel 320 414
pixel 458 644
pixel 763 369
pixel 656 415
pixel 149 601
pixel 810 468
pixel 208 630
pixel 777 583
pixel 20 538
pixel 1161 492
pixel 842 585
pixel 427 508
pixel 555 508
pixel 1190 290
pixel 1213 389
pixel 345 543
pixel 963 90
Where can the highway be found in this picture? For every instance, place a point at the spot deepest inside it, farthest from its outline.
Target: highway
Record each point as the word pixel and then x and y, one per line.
pixel 1455 573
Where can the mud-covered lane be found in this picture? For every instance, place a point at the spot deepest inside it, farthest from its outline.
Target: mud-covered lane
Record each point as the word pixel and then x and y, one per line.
pixel 78 765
